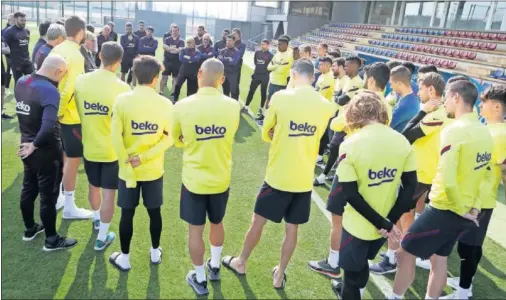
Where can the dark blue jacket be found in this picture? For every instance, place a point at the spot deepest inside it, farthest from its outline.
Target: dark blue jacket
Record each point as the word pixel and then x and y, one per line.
pixel 230 58
pixel 41 42
pixel 18 40
pixel 148 46
pixel 41 55
pixel 169 41
pixel 130 47
pixel 190 61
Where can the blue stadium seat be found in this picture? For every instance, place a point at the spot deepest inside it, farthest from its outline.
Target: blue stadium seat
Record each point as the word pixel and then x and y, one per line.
pixel 499 73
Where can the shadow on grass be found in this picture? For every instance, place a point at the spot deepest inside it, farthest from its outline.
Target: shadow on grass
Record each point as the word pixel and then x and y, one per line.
pixel 153 290
pixel 10 124
pixel 217 294
pixel 244 131
pixel 248 292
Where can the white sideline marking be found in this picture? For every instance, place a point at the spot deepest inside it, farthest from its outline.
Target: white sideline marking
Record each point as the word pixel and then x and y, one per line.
pixel 378 280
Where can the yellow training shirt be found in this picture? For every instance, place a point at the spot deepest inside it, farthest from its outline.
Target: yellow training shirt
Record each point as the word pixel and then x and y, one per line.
pixel 70 51
pixel 280 66
pixel 95 95
pixel 427 147
pixel 465 153
pixel 490 187
pixel 341 83
pixel 205 124
pixel 375 157
pixel 141 126
pixel 299 118
pixel 324 85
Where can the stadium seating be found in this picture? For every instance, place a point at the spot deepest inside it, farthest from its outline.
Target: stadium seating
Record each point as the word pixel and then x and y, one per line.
pixel 454 33
pixel 442 41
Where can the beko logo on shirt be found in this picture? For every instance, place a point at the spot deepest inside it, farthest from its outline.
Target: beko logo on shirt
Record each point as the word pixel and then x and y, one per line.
pixel 23 42
pixel 305 129
pixel 385 175
pixel 214 132
pixel 482 159
pixel 141 128
pixel 96 109
pixel 22 108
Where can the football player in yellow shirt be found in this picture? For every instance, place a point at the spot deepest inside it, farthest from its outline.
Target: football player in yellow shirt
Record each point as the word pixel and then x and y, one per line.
pixel 470 242
pixel 68 116
pixel 140 131
pixel 369 184
pixel 294 125
pixel 465 154
pixel 204 125
pixel 95 95
pixel 376 77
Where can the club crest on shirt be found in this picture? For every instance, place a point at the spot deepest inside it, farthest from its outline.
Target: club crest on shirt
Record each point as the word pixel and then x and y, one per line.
pixel 95 109
pixel 210 132
pixel 381 176
pixel 145 127
pixel 304 129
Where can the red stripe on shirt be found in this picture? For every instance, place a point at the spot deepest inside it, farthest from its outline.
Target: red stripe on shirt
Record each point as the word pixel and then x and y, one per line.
pixel 432 123
pixel 445 149
pixel 504 162
pixel 343 156
pixel 29 80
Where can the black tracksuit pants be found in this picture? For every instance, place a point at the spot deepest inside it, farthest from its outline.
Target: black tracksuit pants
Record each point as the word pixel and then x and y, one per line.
pixel 231 84
pixel 256 80
pixel 43 171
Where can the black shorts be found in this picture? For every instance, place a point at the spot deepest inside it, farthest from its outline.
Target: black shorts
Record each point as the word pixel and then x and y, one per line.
pixel 102 174
pixel 152 194
pixel 421 188
pixel 127 65
pixel 336 203
pixel 171 67
pixel 194 207
pixel 475 236
pixel 434 232
pixel 71 138
pixel 275 205
pixel 355 253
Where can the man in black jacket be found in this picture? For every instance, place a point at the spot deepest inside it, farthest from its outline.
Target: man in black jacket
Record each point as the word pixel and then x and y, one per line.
pixel 130 43
pixel 17 37
pixel 260 76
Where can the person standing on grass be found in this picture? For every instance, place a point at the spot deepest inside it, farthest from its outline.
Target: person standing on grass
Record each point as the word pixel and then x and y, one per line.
pixel 113 34
pixel 37 100
pixel 140 30
pixel 201 30
pixel 294 124
pixel 305 52
pixel 130 43
pixel 10 22
pixel 43 27
pixel 189 58
pixel 17 37
pixel 87 50
pixel 5 51
pixel 470 242
pixel 241 47
pixel 103 37
pixel 230 57
pixel 172 46
pixel 323 49
pixel 55 35
pixel 95 95
pixel 280 71
pixel 221 44
pixel 206 48
pixel 68 116
pixel 148 44
pixel 408 104
pixel 465 160
pixel 204 125
pixel 140 131
pixel 262 59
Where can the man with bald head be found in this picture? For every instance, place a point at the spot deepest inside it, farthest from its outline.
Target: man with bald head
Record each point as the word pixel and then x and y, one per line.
pixel 103 37
pixel 37 101
pixel 204 125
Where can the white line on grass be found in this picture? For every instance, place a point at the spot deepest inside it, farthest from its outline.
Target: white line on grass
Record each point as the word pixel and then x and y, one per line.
pixel 379 281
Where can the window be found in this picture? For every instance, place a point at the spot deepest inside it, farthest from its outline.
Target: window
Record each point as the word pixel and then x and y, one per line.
pixel 382 12
pixel 273 4
pixel 311 9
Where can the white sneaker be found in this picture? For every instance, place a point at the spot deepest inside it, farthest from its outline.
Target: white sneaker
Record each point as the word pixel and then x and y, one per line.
pixel 423 263
pixel 156 255
pixel 61 202
pixel 454 284
pixel 450 296
pixel 77 213
pixel 320 180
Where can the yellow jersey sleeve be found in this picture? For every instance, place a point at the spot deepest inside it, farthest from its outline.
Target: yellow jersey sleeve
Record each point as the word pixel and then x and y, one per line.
pixel 345 169
pixel 410 164
pixel 165 142
pixel 67 87
pixel 270 120
pixel 117 126
pixel 176 131
pixel 432 123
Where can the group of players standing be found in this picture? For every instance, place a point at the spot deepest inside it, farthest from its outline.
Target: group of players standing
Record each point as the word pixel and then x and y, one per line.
pixel 123 134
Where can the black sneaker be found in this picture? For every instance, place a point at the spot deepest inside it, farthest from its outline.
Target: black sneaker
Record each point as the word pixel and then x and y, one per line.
pixel 31 233
pixel 324 268
pixel 383 267
pixel 260 117
pixel 337 287
pixel 7 117
pixel 200 288
pixel 213 273
pixel 244 109
pixel 58 243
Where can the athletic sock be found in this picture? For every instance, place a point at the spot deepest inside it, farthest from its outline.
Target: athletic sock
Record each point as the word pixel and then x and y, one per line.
pixel 427 297
pixel 201 273
pixel 96 214
pixel 321 177
pixel 69 200
pixel 216 256
pixel 319 158
pixel 333 260
pixel 391 256
pixel 462 293
pixel 394 296
pixel 417 215
pixel 123 260
pixel 102 231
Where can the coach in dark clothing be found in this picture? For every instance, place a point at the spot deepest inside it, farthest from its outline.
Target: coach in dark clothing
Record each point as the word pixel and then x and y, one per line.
pixel 130 44
pixel 230 57
pixel 148 44
pixel 17 37
pixel 260 76
pixel 87 50
pixel 43 27
pixel 37 101
pixel 206 48
pixel 103 37
pixel 113 34
pixel 221 44
pixel 189 58
pixel 241 47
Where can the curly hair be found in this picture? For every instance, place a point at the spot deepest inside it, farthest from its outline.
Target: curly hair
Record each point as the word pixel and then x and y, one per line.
pixel 364 108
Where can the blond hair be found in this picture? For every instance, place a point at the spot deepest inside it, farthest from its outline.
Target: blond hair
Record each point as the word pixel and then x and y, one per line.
pixel 365 108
